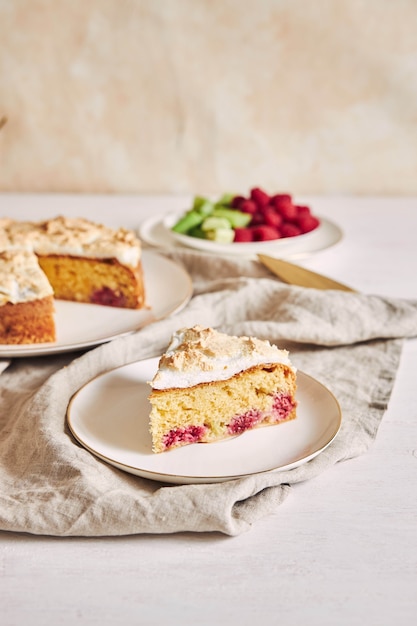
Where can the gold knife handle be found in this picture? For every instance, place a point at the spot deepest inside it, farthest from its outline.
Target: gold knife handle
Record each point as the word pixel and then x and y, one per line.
pixel 295 275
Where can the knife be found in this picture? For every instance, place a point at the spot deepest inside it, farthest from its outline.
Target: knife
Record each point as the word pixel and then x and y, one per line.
pixel 296 275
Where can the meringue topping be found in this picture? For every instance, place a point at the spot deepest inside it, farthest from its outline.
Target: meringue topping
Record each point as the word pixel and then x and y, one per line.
pixel 71 236
pixel 198 355
pixel 21 278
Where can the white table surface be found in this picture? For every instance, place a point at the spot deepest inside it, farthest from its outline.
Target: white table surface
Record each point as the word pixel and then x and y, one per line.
pixel 341 550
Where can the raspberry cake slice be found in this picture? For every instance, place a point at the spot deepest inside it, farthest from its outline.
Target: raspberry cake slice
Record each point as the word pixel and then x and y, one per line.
pixel 211 386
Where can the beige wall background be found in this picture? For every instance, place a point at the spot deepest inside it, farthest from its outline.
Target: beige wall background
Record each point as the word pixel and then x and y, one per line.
pixel 310 96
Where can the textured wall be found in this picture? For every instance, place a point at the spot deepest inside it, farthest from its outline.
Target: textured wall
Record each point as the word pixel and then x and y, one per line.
pixel 314 96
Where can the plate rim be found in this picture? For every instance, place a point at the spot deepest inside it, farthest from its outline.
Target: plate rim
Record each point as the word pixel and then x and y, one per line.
pixel 181 479
pixel 44 349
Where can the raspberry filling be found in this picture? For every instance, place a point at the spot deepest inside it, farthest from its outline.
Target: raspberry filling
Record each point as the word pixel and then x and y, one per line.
pixel 108 297
pixel 243 422
pixel 176 436
pixel 282 406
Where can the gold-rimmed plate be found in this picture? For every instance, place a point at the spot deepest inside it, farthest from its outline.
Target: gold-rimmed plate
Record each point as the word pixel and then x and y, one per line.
pixel 109 416
pixel 157 231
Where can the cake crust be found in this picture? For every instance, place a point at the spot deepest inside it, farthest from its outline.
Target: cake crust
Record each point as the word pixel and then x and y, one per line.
pixel 28 322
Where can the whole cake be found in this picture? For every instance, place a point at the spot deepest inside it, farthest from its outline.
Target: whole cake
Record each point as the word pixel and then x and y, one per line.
pixel 210 386
pixel 83 262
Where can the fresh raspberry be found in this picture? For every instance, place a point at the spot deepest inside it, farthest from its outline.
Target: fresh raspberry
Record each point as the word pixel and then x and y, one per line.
pixel 281 201
pixel 302 210
pixel 237 202
pixel 307 223
pixel 243 235
pixel 265 233
pixel 257 219
pixel 281 197
pixel 288 211
pixel 290 230
pixel 259 197
pixel 248 206
pixel 271 217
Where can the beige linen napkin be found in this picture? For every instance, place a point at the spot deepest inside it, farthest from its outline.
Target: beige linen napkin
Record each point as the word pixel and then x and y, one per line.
pixel 50 485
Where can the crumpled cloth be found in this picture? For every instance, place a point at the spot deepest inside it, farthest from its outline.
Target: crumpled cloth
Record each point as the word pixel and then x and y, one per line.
pixel 50 485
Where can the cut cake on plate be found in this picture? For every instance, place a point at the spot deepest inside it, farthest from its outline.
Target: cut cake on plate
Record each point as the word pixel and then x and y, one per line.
pixel 83 262
pixel 211 386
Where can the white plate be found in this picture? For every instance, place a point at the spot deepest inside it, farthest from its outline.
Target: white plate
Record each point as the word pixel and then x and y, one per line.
pixel 168 289
pixel 110 417
pixel 156 231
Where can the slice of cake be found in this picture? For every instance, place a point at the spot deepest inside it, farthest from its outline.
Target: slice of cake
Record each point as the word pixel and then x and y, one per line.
pixel 26 300
pixel 210 386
